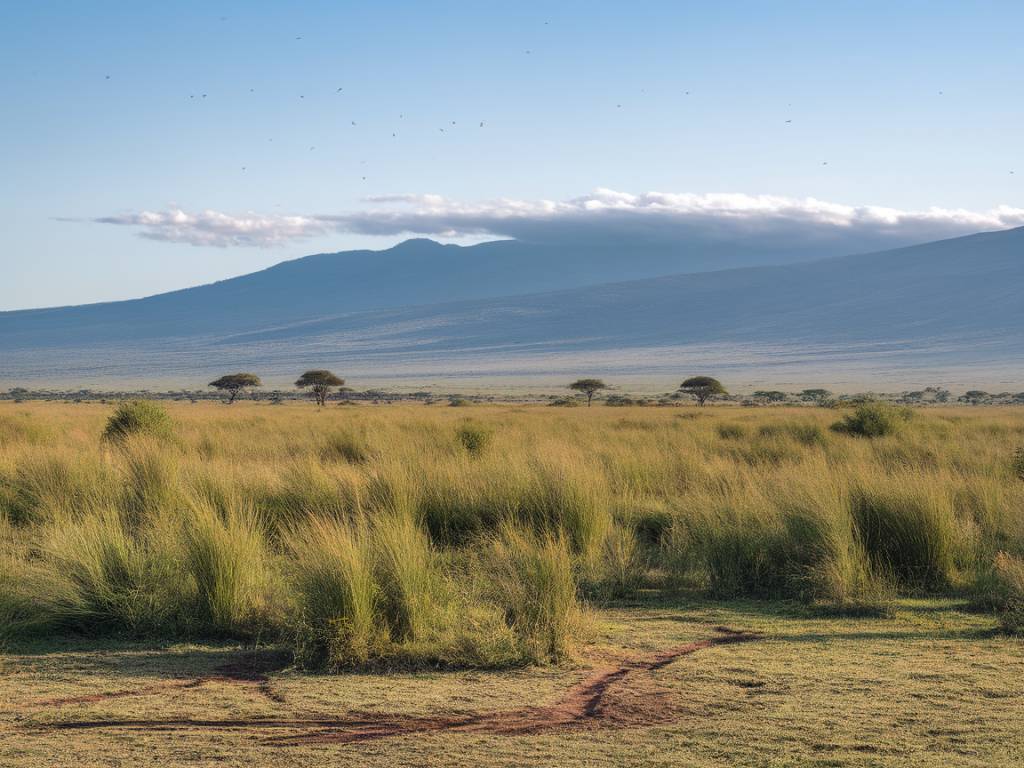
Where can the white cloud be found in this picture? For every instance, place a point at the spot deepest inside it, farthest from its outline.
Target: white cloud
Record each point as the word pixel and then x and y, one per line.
pixel 220 229
pixel 717 217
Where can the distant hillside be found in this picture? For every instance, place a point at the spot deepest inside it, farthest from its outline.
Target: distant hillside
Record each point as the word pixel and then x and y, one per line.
pixel 939 306
pixel 416 272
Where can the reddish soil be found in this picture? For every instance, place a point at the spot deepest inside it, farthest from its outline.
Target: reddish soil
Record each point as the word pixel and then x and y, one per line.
pixel 624 695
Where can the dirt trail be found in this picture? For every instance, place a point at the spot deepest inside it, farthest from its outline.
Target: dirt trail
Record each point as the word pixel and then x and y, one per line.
pixel 609 696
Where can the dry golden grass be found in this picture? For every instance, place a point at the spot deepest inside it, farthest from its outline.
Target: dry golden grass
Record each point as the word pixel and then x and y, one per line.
pixel 457 544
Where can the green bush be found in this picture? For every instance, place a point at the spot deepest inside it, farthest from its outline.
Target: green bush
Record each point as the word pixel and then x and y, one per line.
pixel 873 420
pixel 565 402
pixel 138 417
pixel 474 437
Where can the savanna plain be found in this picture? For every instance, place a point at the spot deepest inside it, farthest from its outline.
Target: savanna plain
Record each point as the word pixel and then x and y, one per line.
pixel 256 584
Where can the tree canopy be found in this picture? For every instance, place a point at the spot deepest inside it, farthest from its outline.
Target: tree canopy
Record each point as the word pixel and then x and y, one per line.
pixel 236 383
pixel 320 383
pixel 702 388
pixel 589 387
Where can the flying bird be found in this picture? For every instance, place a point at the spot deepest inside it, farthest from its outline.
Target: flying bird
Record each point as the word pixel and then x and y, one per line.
pixel 482 122
pixel 107 77
pixel 339 90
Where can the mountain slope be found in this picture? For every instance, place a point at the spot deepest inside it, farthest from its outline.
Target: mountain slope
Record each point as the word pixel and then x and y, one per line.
pixel 416 272
pixel 945 305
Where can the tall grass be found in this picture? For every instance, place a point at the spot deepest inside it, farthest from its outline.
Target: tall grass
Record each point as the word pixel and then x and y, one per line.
pixel 426 536
pixel 332 571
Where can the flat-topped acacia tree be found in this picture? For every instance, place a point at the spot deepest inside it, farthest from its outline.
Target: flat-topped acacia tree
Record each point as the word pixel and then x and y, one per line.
pixel 235 384
pixel 320 383
pixel 589 387
pixel 702 388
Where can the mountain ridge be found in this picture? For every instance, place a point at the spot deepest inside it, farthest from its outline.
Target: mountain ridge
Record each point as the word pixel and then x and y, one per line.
pixel 950 303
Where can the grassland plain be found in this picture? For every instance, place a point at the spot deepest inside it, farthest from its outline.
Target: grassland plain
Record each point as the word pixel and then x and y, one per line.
pixel 495 585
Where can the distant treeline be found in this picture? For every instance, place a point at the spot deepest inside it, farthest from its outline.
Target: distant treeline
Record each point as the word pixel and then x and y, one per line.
pixel 812 397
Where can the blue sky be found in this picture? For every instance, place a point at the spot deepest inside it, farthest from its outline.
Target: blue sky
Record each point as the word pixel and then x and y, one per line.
pixel 912 105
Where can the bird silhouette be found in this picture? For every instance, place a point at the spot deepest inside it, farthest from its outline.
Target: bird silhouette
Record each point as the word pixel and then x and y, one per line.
pixel 338 91
pixel 482 122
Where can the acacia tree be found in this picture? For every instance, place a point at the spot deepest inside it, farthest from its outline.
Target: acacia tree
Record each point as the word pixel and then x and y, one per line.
pixel 819 396
pixel 589 387
pixel 702 388
pixel 235 384
pixel 320 383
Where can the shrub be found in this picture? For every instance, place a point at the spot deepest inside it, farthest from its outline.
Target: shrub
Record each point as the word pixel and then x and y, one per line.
pixel 565 402
pixel 138 417
pixel 1018 463
pixel 619 400
pixel 474 437
pixel 873 420
pixel 459 402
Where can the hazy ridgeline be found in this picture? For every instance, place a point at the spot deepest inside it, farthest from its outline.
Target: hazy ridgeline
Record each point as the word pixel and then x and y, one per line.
pixel 475 536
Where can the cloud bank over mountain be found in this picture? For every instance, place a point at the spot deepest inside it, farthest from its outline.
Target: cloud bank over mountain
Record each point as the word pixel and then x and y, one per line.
pixel 604 215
